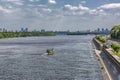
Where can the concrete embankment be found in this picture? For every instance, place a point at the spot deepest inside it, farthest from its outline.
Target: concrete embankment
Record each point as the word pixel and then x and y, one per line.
pixel 114 58
pixel 98 51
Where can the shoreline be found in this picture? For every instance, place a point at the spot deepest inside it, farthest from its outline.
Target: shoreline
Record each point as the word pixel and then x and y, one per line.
pixel 103 67
pixel 25 34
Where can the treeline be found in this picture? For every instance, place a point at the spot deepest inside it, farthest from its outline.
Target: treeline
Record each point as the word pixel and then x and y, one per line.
pixel 24 34
pixel 115 32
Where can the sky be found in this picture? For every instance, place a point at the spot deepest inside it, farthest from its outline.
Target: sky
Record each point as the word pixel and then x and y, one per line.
pixel 72 15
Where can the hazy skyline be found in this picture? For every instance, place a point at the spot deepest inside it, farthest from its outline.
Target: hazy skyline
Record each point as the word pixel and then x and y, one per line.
pixel 59 14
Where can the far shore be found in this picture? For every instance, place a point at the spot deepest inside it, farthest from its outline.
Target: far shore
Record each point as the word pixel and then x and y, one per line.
pixel 24 34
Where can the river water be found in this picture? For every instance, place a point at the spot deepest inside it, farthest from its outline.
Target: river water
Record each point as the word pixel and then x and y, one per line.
pixel 26 59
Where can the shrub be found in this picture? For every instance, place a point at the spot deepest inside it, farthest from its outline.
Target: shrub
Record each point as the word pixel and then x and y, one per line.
pixel 116 47
pixel 101 39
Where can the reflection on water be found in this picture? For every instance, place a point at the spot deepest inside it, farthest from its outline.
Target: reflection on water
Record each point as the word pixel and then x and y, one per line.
pixel 25 59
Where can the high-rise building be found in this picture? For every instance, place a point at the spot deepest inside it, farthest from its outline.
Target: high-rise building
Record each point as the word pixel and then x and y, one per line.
pixel 24 30
pixel 42 30
pixel 98 30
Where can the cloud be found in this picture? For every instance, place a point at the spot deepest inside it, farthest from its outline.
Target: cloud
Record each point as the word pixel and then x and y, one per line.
pixel 34 13
pixel 70 7
pixel 109 9
pixel 47 10
pixel 10 0
pixel 17 2
pixel 33 0
pixel 103 10
pixel 80 7
pixel 52 1
pixel 5 10
pixel 83 8
pixel 83 2
pixel 110 6
pixel 75 10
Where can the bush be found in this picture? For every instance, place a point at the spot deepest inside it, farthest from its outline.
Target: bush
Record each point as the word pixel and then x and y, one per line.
pixel 101 39
pixel 115 47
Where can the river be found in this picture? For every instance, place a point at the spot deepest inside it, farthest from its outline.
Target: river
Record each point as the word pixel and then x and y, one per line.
pixel 26 59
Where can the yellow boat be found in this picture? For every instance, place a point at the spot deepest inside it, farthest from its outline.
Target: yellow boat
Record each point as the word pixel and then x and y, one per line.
pixel 50 51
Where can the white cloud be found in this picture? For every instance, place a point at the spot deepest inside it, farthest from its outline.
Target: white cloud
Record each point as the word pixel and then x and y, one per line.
pixel 70 7
pixel 10 0
pixel 33 0
pixel 52 1
pixel 110 6
pixel 97 12
pixel 17 2
pixel 47 10
pixel 109 9
pixel 5 10
pixel 83 2
pixel 75 10
pixel 37 14
pixel 83 8
pixel 103 10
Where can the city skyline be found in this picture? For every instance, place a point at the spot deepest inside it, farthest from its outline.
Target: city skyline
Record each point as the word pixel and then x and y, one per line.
pixel 59 15
pixel 26 29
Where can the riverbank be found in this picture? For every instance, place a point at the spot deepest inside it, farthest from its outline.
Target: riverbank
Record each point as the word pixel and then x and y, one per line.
pixel 98 51
pixel 24 34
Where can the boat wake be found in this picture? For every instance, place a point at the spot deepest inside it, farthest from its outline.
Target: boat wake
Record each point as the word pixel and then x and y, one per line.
pixel 44 54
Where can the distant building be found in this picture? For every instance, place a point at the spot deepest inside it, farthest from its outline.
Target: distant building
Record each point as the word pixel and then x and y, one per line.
pixel 42 30
pixel 106 29
pixel 24 30
pixel 98 30
pixel 4 30
pixel 103 30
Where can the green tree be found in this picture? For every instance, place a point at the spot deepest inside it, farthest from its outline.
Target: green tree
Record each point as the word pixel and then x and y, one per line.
pixel 115 32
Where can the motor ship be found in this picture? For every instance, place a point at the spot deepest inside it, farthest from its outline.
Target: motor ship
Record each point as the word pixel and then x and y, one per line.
pixel 50 51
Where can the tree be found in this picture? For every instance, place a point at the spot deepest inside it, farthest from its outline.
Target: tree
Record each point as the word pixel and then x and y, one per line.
pixel 115 32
